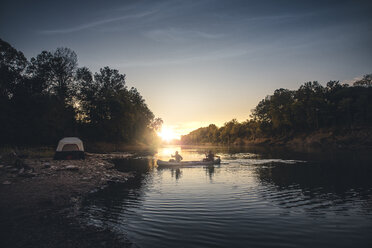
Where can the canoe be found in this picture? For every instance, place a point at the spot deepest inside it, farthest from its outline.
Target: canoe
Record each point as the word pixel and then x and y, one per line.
pixel 162 163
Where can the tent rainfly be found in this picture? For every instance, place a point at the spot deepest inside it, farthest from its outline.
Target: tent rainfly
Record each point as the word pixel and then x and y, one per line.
pixel 69 148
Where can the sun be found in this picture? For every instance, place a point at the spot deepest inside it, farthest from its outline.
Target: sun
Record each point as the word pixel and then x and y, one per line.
pixel 167 134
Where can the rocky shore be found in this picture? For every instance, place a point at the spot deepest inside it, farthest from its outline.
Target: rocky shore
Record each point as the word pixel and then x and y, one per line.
pixel 40 198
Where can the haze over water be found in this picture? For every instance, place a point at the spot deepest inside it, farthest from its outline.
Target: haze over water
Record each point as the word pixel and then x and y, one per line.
pixel 255 198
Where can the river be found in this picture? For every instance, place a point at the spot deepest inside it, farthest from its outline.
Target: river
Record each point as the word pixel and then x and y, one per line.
pixel 257 197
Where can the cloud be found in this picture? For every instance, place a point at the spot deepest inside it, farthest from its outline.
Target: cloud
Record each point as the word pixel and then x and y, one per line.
pixel 142 12
pixel 352 81
pixel 280 17
pixel 98 23
pixel 179 35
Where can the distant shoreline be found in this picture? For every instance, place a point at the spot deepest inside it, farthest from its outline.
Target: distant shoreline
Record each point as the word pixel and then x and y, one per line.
pixel 331 138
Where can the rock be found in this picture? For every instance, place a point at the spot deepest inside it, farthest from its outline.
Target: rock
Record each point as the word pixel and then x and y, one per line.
pixel 21 171
pixel 46 165
pixel 7 182
pixel 93 191
pixel 71 168
pixel 28 174
pixel 19 163
pixel 67 168
pixel 13 170
pixel 116 180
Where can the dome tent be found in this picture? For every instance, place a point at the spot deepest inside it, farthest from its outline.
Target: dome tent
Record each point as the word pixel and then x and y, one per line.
pixel 69 148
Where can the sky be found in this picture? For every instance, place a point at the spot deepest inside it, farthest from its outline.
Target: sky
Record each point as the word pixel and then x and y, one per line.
pixel 206 61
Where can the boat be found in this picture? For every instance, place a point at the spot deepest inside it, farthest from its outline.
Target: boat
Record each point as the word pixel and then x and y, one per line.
pixel 162 163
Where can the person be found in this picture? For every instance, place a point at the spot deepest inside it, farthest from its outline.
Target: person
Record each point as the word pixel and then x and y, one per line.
pixel 209 156
pixel 177 156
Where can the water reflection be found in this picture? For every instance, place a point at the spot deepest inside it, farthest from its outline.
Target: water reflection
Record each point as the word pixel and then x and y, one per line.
pixel 112 202
pixel 320 185
pixel 210 170
pixel 259 198
pixel 177 173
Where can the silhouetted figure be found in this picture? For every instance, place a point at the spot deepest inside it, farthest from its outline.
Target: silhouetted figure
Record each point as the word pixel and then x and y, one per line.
pixel 177 157
pixel 209 156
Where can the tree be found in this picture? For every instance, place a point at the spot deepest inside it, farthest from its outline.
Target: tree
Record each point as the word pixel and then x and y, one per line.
pixel 55 72
pixel 366 81
pixel 109 109
pixel 286 112
pixel 49 97
pixel 156 124
pixel 12 65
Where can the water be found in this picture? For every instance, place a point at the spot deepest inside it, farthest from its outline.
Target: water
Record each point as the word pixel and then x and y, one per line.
pixel 256 198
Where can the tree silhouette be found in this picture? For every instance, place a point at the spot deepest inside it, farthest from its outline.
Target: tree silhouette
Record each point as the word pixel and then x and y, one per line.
pixel 50 97
pixel 286 113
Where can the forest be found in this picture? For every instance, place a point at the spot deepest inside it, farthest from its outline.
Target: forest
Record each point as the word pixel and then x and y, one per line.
pixel 49 97
pixel 288 113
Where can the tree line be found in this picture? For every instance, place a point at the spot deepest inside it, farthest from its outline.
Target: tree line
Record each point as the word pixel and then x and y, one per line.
pixel 49 97
pixel 290 112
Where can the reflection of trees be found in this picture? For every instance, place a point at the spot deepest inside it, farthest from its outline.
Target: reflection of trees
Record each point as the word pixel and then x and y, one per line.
pixel 262 151
pixel 320 185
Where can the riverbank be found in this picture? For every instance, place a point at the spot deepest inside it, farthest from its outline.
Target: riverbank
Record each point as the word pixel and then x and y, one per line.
pixel 40 199
pixel 353 139
pixel 357 138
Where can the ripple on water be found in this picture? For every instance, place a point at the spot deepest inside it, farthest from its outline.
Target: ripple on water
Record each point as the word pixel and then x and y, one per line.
pixel 248 202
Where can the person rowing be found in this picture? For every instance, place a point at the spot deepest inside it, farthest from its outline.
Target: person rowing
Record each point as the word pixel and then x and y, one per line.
pixel 177 157
pixel 210 156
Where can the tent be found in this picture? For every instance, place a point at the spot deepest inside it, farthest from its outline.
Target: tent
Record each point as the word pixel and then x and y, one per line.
pixel 70 148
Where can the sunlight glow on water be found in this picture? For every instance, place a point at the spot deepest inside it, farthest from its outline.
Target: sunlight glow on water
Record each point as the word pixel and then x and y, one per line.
pixel 256 200
pixel 166 152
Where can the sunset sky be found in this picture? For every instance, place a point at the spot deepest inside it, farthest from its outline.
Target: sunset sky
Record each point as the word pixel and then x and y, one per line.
pixel 206 61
